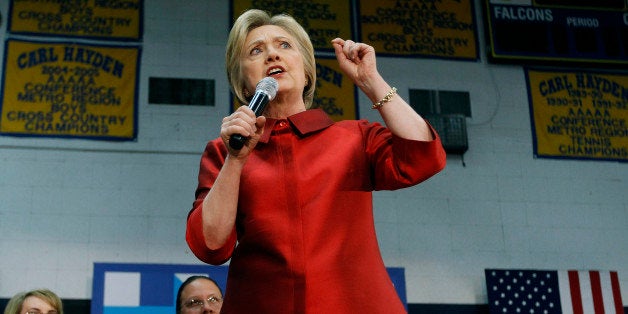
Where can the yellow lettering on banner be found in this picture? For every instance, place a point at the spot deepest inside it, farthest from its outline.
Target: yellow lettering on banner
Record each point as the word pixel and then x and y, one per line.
pixel 417 27
pixel 103 19
pixel 553 85
pixel 93 58
pixel 334 94
pixel 602 84
pixel 329 74
pixel 579 114
pixel 36 57
pixel 60 89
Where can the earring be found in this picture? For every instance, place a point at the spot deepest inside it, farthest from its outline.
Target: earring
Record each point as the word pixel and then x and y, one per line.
pixel 246 93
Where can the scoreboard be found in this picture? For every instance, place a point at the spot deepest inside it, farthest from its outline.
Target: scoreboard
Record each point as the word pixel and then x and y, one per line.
pixel 558 31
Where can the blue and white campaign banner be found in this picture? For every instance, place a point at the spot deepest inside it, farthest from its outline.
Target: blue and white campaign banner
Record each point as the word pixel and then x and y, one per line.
pixel 124 288
pixel 398 277
pixel 144 288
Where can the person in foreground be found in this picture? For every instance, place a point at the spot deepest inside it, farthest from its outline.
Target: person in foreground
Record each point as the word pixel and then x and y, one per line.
pixel 199 294
pixel 40 301
pixel 293 208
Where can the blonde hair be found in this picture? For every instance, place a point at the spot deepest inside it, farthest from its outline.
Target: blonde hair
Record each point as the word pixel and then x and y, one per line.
pixel 252 19
pixel 15 304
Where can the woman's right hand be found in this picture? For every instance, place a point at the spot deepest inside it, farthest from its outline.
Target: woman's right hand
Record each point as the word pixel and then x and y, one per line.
pixel 243 122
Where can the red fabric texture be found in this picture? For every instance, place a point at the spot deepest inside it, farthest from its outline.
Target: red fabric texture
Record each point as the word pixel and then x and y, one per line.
pixel 305 239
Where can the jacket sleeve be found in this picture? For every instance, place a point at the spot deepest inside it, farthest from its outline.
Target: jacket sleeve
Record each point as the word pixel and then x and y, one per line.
pixel 397 162
pixel 211 162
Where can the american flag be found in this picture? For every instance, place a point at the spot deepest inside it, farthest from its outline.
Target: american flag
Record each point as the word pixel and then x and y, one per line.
pixel 547 292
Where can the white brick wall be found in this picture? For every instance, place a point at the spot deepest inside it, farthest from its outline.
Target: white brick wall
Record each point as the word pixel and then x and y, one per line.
pixel 65 204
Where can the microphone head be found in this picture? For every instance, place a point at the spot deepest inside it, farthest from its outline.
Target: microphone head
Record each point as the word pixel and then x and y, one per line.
pixel 269 86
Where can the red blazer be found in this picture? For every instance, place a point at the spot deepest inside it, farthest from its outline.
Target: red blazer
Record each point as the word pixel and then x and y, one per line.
pixel 305 240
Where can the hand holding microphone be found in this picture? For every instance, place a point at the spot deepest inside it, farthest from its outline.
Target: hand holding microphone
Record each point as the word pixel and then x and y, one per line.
pixel 265 91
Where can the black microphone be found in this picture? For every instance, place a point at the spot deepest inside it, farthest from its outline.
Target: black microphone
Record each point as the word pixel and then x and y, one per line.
pixel 265 91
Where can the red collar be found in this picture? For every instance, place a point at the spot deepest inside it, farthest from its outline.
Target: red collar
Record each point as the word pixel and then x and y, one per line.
pixel 303 123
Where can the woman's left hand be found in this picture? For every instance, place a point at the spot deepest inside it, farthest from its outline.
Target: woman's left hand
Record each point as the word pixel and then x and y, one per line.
pixel 357 61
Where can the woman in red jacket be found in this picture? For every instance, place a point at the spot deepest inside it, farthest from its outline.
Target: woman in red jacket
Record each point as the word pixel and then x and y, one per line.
pixel 292 209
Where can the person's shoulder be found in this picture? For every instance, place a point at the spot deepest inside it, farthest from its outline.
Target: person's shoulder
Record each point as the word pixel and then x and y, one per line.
pixel 357 123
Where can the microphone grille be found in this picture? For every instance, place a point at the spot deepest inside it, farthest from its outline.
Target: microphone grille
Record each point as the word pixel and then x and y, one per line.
pixel 269 86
